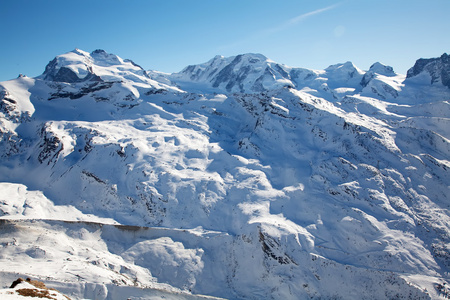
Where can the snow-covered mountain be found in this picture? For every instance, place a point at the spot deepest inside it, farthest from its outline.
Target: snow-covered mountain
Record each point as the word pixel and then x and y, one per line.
pixel 437 68
pixel 238 178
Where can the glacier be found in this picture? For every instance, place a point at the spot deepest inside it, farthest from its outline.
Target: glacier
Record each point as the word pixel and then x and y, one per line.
pixel 238 178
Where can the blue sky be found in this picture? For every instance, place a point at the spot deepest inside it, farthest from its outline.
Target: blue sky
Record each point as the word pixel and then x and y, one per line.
pixel 169 35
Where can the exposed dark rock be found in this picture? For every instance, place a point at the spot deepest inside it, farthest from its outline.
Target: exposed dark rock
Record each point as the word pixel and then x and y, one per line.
pixel 16 282
pixel 84 90
pixel 6 103
pixel 64 74
pixel 367 78
pixel 271 248
pixel 92 175
pixel 155 91
pixel 438 68
pixel 99 51
pixel 51 146
pixel 227 74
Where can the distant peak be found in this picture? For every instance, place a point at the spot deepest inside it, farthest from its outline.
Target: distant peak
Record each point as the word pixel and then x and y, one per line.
pixel 382 69
pixel 255 56
pixel 344 70
pixel 99 51
pixel 245 58
pixel 79 52
pixel 249 72
pixel 421 64
pixel 346 65
pixel 102 55
pixel 438 68
pixel 78 66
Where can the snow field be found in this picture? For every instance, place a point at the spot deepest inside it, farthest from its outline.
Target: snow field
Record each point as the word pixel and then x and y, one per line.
pixel 251 189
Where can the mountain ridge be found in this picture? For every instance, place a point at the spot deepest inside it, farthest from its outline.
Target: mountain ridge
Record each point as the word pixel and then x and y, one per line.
pixel 248 178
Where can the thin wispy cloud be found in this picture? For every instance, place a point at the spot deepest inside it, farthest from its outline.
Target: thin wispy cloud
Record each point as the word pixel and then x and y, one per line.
pixel 287 24
pixel 294 21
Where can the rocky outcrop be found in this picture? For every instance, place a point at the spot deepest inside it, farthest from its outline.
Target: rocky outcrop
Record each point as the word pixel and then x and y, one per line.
pixel 63 74
pixel 437 68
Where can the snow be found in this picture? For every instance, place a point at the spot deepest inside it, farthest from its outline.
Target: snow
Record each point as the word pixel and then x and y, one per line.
pixel 14 293
pixel 381 69
pixel 18 90
pixel 238 178
pixel 18 203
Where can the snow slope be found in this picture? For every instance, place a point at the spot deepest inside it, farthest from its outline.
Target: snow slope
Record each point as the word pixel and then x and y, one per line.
pixel 25 290
pixel 238 178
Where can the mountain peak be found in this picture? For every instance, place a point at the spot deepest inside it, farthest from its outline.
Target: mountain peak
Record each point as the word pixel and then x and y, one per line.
pixel 98 51
pixel 346 65
pixel 70 67
pixel 343 74
pixel 374 70
pixel 382 69
pixel 253 57
pixel 78 66
pixel 101 57
pixel 347 68
pixel 438 68
pixel 250 72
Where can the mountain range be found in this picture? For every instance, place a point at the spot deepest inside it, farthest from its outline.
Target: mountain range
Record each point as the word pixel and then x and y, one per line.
pixel 238 178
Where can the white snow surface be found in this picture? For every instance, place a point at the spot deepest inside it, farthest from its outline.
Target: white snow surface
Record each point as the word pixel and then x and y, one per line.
pixel 14 293
pixel 238 178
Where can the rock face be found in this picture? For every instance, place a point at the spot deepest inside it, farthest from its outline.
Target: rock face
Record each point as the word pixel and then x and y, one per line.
pixel 238 178
pixel 64 74
pixel 437 68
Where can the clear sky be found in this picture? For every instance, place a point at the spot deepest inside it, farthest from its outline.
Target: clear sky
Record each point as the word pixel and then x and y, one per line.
pixel 168 35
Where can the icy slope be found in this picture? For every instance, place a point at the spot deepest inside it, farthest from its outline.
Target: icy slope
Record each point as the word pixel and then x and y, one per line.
pixel 238 178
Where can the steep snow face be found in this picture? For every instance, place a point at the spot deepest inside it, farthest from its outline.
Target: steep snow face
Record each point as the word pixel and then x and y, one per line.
pixel 312 189
pixel 241 73
pixel 346 74
pixel 381 82
pixel 381 69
